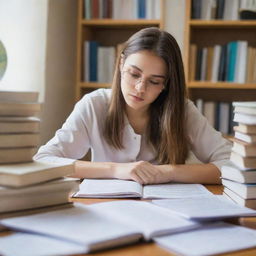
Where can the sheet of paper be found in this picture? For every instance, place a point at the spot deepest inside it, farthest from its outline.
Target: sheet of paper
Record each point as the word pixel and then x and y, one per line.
pixel 174 190
pixel 79 224
pixel 109 188
pixel 204 208
pixel 25 244
pixel 148 218
pixel 212 239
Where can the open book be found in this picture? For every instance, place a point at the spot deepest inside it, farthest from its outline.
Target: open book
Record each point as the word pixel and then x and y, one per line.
pixel 203 209
pixel 103 225
pixel 112 188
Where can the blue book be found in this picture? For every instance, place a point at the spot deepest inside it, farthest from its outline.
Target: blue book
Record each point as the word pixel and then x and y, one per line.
pixel 93 48
pixel 232 61
pixel 141 9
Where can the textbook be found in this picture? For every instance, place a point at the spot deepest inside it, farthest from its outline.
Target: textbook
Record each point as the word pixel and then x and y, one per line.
pixel 243 162
pixel 19 109
pixel 17 155
pixel 250 203
pixel 113 188
pixel 103 225
pixel 244 148
pixel 19 125
pixel 245 118
pixel 204 209
pixel 243 128
pixel 232 172
pixel 46 194
pixel 19 96
pixel 18 175
pixel 209 239
pixel 249 138
pixel 19 140
pixel 247 191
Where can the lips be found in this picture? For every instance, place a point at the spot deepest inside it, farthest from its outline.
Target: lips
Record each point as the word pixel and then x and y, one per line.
pixel 136 98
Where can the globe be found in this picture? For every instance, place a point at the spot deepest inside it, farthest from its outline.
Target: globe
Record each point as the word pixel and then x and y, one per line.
pixel 3 60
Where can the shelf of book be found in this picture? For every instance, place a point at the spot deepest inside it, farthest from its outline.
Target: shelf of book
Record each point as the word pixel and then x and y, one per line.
pixel 108 34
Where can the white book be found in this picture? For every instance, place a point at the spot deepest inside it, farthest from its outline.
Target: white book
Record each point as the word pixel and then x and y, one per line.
pixel 211 239
pixel 206 9
pixel 251 203
pixel 200 105
pixel 241 175
pixel 231 10
pixel 18 175
pixel 37 245
pixel 113 188
pixel 245 118
pixel 204 64
pixel 19 140
pixel 103 225
pixel 248 104
pixel 86 61
pixel 202 209
pixel 18 96
pixel 245 110
pixel 215 62
pixel 45 194
pixel 19 109
pixel 19 125
pixel 240 68
pixel 246 191
pixel 224 117
pixel 243 162
pixel 249 138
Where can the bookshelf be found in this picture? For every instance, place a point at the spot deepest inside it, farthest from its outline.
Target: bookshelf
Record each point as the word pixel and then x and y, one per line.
pixel 207 33
pixel 107 32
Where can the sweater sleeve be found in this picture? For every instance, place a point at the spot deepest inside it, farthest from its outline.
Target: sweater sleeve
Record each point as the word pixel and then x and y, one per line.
pixel 208 145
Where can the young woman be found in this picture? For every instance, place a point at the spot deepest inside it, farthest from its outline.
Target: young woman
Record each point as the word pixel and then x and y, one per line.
pixel 144 127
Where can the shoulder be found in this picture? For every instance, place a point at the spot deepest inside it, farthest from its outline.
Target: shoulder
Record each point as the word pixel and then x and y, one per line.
pixel 98 99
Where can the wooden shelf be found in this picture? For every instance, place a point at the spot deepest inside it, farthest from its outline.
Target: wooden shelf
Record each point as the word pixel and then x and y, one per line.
pixel 219 85
pixel 222 23
pixel 118 23
pixel 94 85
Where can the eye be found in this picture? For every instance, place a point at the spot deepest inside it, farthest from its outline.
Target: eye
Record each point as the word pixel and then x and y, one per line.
pixel 134 75
pixel 155 82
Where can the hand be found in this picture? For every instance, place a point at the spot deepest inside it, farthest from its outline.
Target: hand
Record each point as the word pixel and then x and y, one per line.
pixel 142 172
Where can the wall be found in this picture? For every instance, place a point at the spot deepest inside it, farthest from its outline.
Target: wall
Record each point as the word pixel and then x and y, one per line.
pixel 60 65
pixel 23 32
pixel 40 38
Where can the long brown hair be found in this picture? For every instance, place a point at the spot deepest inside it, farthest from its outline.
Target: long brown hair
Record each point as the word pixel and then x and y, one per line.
pixel 166 128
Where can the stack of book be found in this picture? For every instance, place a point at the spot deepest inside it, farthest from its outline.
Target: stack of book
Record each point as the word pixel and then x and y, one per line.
pixel 239 178
pixel 24 183
pixel 19 126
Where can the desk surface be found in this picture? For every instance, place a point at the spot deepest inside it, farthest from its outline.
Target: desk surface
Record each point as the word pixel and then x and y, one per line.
pixel 151 249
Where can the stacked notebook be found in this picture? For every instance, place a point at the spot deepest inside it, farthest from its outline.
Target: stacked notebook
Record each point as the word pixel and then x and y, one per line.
pixel 239 177
pixel 19 126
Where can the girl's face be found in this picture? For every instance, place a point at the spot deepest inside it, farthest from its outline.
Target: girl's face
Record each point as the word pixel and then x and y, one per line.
pixel 143 76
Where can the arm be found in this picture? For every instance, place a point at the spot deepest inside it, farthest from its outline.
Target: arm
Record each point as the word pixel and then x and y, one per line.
pixel 146 173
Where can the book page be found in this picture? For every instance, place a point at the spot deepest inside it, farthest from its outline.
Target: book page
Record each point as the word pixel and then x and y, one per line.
pixel 205 208
pixel 151 220
pixel 25 244
pixel 109 188
pixel 175 190
pixel 79 224
pixel 211 239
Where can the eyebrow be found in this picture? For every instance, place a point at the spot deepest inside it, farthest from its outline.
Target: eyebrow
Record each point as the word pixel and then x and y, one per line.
pixel 134 66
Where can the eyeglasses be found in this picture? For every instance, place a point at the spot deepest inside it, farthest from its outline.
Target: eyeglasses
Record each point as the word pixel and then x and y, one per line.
pixel 132 77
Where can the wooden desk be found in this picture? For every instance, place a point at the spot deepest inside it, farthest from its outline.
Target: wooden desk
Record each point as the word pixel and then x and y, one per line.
pixel 151 249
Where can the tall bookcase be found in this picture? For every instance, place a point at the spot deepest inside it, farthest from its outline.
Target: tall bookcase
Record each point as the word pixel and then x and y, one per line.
pixel 108 32
pixel 207 33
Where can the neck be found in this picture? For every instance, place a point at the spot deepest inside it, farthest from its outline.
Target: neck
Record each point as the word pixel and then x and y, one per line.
pixel 138 119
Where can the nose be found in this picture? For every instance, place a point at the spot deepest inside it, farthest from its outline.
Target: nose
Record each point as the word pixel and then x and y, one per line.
pixel 141 86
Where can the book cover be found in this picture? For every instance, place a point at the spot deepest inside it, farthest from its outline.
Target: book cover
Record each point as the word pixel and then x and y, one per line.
pixel 243 128
pixel 243 148
pixel 18 175
pixel 243 162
